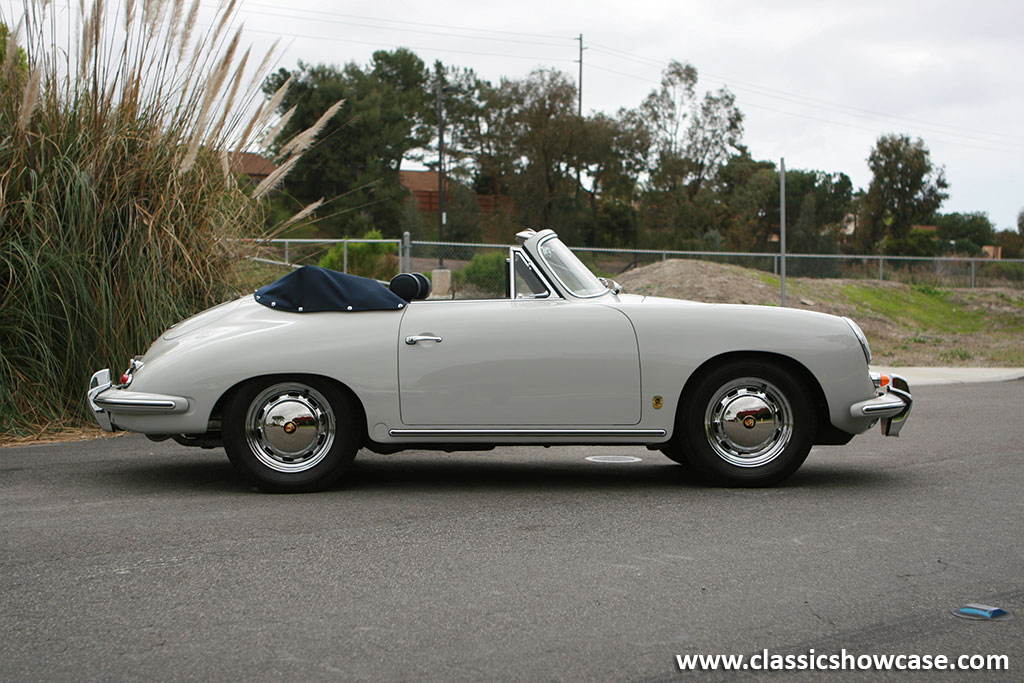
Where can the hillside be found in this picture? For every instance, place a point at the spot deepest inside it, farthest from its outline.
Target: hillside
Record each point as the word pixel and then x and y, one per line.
pixel 907 325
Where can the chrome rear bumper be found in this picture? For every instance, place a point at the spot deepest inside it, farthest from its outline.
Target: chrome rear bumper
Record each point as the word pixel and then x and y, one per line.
pixel 892 407
pixel 105 398
pixel 99 383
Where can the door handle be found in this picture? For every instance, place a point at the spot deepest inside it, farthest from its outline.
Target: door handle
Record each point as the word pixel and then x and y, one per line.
pixel 412 339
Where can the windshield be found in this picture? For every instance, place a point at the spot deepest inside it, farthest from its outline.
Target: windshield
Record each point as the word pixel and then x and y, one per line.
pixel 569 270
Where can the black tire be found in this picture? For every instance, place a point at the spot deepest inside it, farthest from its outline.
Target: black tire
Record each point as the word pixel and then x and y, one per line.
pixel 746 424
pixel 290 434
pixel 675 452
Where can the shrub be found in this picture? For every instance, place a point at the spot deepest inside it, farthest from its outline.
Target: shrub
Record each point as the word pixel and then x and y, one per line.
pixel 377 260
pixel 117 196
pixel 1014 272
pixel 485 272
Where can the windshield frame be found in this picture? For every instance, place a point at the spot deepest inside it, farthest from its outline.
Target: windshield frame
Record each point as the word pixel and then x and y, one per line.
pixel 575 264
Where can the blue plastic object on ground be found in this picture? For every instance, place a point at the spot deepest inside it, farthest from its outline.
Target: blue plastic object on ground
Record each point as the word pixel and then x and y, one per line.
pixel 975 611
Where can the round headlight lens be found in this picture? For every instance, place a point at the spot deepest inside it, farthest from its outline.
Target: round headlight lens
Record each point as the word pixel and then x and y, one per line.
pixel 859 333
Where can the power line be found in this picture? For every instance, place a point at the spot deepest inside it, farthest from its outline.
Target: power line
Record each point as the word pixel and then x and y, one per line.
pixel 322 20
pixel 623 73
pixel 579 88
pixel 811 101
pixel 319 14
pixel 1007 148
pixel 379 44
pixel 615 53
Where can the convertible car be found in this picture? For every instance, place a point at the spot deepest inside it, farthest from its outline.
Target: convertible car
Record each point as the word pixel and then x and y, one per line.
pixel 294 379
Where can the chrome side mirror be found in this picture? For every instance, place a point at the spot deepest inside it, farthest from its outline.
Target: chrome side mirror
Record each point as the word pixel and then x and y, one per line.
pixel 612 285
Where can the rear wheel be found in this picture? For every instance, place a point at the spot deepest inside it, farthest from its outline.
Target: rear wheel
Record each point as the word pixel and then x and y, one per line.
pixel 290 436
pixel 675 452
pixel 747 424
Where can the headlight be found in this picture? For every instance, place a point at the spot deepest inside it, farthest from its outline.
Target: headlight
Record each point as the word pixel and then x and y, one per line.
pixel 859 333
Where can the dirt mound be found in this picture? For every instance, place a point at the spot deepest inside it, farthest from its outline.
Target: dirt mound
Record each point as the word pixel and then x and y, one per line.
pixel 700 281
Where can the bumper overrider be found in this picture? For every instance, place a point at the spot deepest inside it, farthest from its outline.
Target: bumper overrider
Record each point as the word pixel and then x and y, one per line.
pixel 106 398
pixel 891 407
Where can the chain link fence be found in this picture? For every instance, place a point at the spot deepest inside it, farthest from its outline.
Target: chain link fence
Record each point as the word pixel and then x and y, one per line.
pixel 475 270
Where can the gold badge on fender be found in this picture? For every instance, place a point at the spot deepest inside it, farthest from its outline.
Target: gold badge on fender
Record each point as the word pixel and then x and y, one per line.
pixel 656 401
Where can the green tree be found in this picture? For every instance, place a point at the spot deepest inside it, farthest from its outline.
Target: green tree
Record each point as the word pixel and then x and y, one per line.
pixel 749 189
pixel 906 189
pixel 692 137
pixel 610 159
pixel 356 160
pixel 691 140
pixel 19 63
pixel 547 131
pixel 14 71
pixel 520 138
pixel 816 204
pixel 1012 241
pixel 964 233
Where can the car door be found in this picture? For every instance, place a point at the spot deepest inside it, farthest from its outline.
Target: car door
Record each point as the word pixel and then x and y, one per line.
pixel 517 363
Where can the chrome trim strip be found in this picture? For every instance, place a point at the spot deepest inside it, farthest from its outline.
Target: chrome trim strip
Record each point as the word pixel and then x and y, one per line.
pixel 527 432
pixel 882 407
pixel 121 402
pixel 136 403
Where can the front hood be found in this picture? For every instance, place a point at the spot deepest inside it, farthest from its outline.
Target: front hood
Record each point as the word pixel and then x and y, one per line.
pixel 745 315
pixel 644 299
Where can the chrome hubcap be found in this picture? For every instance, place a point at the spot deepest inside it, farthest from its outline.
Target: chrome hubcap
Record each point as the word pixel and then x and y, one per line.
pixel 748 422
pixel 290 427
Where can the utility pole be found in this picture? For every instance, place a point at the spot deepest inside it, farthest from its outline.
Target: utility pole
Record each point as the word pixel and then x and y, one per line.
pixel 782 226
pixel 579 111
pixel 440 164
pixel 580 89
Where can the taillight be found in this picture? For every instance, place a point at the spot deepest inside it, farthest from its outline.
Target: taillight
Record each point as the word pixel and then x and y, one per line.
pixel 134 366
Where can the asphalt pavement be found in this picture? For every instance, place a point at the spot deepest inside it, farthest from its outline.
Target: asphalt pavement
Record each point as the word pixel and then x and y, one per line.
pixel 126 559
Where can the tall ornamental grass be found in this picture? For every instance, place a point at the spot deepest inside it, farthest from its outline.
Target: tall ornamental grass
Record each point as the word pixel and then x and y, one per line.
pixel 120 129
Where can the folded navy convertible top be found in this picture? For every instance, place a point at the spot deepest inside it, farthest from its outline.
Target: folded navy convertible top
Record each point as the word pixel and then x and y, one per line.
pixel 311 289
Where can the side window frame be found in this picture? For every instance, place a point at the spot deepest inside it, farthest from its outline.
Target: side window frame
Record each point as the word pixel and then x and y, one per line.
pixel 518 255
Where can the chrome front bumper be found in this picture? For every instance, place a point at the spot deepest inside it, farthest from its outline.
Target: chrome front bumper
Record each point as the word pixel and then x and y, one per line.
pixel 105 398
pixel 892 407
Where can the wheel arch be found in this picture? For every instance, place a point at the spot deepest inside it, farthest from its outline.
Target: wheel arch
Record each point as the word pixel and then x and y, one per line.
pixel 217 412
pixel 824 431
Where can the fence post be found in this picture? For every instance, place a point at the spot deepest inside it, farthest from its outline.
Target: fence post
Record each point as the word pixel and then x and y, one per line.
pixel 407 250
pixel 775 265
pixel 972 273
pixel 287 259
pixel 663 256
pixel 881 264
pixel 782 228
pixel 344 255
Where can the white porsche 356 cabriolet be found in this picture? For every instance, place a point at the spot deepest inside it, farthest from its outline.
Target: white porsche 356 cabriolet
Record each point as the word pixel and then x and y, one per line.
pixel 296 378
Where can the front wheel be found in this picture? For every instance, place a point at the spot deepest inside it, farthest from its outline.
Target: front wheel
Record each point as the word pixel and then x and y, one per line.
pixel 747 424
pixel 290 436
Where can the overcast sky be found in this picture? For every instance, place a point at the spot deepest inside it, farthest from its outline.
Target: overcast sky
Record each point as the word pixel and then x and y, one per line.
pixel 817 81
